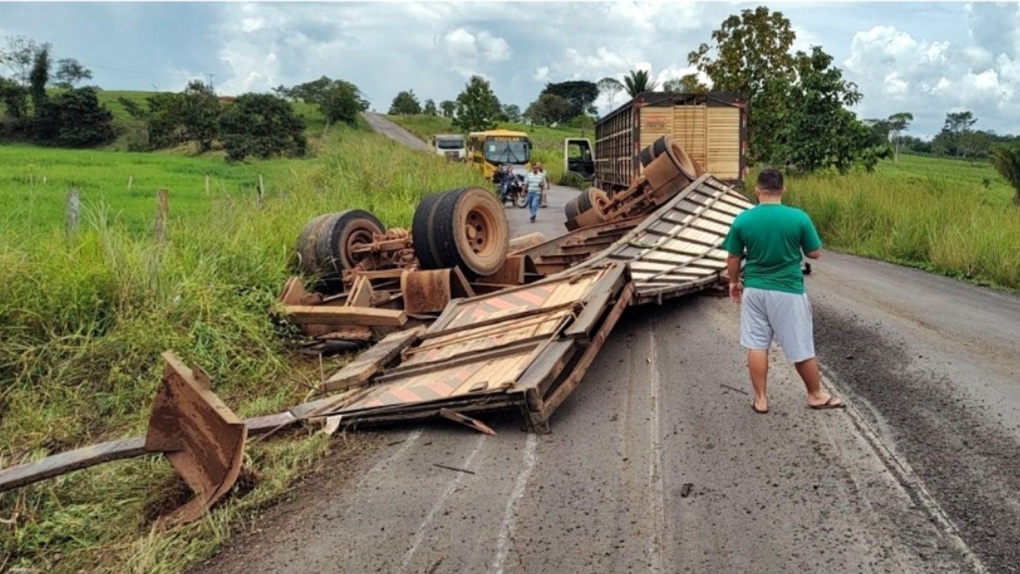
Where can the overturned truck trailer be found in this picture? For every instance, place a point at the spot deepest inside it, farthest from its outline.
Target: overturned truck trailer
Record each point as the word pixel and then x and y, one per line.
pixel 529 346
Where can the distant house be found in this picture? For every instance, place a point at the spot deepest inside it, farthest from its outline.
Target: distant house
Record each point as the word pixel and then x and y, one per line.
pixel 226 100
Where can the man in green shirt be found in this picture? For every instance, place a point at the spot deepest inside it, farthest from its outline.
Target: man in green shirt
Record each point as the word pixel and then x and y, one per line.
pixel 772 239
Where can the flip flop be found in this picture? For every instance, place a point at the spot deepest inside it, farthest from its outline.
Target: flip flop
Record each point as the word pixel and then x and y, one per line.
pixel 759 411
pixel 833 403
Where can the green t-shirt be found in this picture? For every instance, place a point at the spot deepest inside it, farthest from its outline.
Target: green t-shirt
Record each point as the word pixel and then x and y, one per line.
pixel 773 237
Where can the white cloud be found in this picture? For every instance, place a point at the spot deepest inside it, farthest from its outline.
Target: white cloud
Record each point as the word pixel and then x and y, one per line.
pixel 922 58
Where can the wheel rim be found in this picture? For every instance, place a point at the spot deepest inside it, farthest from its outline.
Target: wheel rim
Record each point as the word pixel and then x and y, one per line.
pixel 478 230
pixel 360 236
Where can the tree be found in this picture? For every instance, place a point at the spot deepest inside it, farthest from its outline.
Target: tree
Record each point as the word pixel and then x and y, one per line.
pixel 818 131
pixel 19 57
pixel 579 95
pixel 512 113
pixel 751 56
pixel 164 126
pixel 430 107
pixel 1006 160
pixel 448 107
pixel 198 112
pixel 610 87
pixel 477 106
pixel 405 104
pixel 262 125
pixel 70 72
pixel 898 123
pixel 341 101
pixel 14 97
pixel 548 109
pixel 74 118
pixel 39 77
pixel 638 81
pixel 687 84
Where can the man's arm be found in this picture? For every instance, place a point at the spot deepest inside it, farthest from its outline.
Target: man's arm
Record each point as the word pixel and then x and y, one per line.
pixel 814 254
pixel 733 270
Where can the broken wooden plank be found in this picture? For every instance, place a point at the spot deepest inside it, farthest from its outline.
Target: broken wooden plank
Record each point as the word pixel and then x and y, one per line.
pixel 560 393
pixel 294 293
pixel 119 449
pixel 466 420
pixel 327 315
pixel 373 360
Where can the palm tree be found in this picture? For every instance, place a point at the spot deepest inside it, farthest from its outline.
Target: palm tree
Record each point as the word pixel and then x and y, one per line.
pixel 638 81
pixel 1007 162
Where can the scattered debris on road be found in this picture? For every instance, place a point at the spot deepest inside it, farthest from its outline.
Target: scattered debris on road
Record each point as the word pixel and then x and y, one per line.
pixel 458 321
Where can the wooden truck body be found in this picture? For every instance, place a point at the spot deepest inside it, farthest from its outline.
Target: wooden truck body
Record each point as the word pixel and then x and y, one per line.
pixel 710 127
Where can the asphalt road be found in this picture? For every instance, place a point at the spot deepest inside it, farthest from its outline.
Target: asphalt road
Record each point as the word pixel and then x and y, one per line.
pixel 920 474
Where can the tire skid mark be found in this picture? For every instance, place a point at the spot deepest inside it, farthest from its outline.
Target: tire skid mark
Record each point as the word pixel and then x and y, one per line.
pixel 419 536
pixel 506 531
pixel 657 490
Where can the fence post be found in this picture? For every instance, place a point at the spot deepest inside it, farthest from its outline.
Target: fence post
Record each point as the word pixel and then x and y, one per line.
pixel 207 184
pixel 261 190
pixel 73 209
pixel 163 199
pixel 131 179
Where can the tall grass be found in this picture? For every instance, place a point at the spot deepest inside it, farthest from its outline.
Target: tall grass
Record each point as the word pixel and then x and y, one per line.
pixel 943 224
pixel 84 319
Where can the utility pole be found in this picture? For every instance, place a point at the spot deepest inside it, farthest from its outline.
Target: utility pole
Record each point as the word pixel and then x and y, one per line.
pixel 211 76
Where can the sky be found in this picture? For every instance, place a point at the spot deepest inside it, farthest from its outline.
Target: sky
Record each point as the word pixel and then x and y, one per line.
pixel 926 58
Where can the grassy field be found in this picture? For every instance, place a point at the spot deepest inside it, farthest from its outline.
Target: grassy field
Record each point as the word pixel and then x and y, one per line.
pixel 948 216
pixel 547 142
pixel 83 318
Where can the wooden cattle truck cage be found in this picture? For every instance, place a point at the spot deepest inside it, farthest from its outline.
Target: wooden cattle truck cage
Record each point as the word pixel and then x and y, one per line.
pixel 710 127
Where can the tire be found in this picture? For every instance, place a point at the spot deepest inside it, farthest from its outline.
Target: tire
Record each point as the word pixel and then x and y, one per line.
pixel 421 225
pixel 339 233
pixel 307 260
pixel 683 161
pixel 646 156
pixel 573 207
pixel 660 146
pixel 597 199
pixel 469 231
pixel 521 199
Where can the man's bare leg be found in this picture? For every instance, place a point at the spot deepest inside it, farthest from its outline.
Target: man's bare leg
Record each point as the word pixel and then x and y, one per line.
pixel 808 371
pixel 758 367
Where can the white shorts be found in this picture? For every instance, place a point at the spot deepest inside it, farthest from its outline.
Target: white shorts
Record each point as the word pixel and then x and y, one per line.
pixel 766 314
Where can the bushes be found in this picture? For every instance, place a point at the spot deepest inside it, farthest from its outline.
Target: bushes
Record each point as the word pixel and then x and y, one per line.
pixel 262 126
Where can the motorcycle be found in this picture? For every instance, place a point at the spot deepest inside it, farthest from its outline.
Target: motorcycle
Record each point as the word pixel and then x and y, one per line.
pixel 516 193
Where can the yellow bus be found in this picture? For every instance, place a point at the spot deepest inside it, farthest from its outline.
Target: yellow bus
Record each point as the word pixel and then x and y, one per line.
pixel 491 149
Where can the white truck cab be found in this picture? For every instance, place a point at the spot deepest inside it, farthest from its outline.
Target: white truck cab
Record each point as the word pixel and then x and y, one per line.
pixel 450 146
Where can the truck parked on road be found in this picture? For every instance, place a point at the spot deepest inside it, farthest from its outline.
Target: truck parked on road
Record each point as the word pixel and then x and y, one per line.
pixel 450 146
pixel 710 127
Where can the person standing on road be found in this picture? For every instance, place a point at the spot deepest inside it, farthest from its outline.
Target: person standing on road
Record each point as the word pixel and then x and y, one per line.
pixel 535 182
pixel 772 239
pixel 544 200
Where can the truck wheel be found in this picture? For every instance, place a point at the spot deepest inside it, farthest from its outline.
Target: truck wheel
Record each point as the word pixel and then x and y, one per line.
pixel 646 156
pixel 469 231
pixel 660 146
pixel 683 161
pixel 428 257
pixel 597 200
pixel 340 233
pixel 573 207
pixel 308 262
